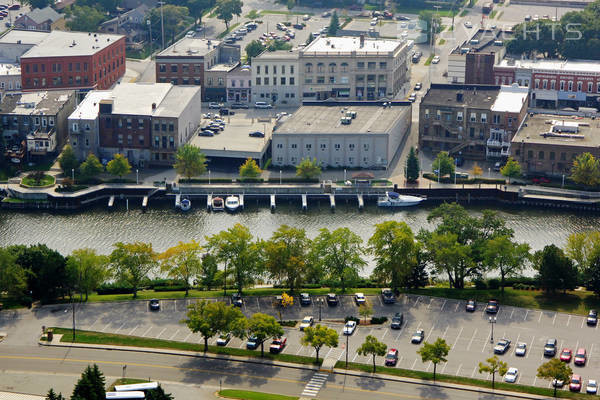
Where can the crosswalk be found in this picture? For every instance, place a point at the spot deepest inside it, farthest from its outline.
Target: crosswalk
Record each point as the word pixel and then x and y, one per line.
pixel 314 385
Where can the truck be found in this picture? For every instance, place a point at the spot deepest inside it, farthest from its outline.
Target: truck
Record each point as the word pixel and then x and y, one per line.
pixel 487 8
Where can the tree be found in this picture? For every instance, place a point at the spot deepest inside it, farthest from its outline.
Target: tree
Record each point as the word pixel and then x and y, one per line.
pixel 158 394
pixel 215 318
pixel 37 3
pixel 492 366
pixel 286 255
pixel 555 270
pixel 476 171
pixel 118 166
pixel 555 370
pixel 586 170
pixel 372 347
pixel 334 25
pixel 285 301
pixel 85 18
pixel 451 257
pixel 68 160
pixel 435 352
pixel 418 277
pixel 53 396
pixel 365 310
pixel 182 262
pixel 310 38
pixel 443 163
pixel 86 270
pixel 235 247
pixel 253 49
pixel 174 19
pixel 503 255
pixel 512 169
pixel 132 263
pixel 339 254
pixel 412 166
pixel 430 19
pixel 249 169
pixel 13 278
pixel 91 385
pixel 263 327
pixel 394 247
pixel 319 336
pixel 290 4
pixel 592 275
pixel 91 167
pixel 190 161
pixel 308 169
pixel 198 7
pixel 226 9
pixel 208 271
pixel 583 248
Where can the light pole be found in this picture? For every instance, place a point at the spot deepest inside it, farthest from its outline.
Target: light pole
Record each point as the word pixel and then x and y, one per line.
pixel 280 177
pixel 347 339
pixel 73 174
pixel 439 168
pixel 563 182
pixel 209 176
pixel 137 176
pixel 492 322
pixel 344 176
pixel 162 25
pixel 320 302
pixel 149 23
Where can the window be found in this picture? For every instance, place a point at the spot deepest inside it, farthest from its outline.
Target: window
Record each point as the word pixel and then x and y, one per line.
pixel 291 69
pixel 598 87
pixel 563 156
pixel 570 86
pixel 266 80
pixel 438 115
pixel 360 65
pixel 473 117
pixel 128 123
pixel 75 127
pixel 562 86
pixel 156 141
pixel 258 70
pixel 320 79
pixel 320 67
pixel 484 118
pixel 371 65
pixel 530 154
pixel 308 146
pixel 590 87
pixel 120 139
pixel 171 126
pixel 510 121
pixel 294 145
pixel 496 119
pixel 258 80
pixel 332 67
pixel 283 69
pixel 553 85
pixel 129 140
pixel 279 145
pixel 383 65
pixel 332 79
pixel 537 84
pixel 173 67
pixel 472 132
pixel 459 115
pixel 156 126
pixel 308 68
pixel 351 146
pixel 579 86
pixel 283 80
pixel 266 69
pixel 292 81
pixel 323 146
pixel 220 81
pixel 366 147
pixel 344 67
pixel 541 155
pixel 337 146
pixel 552 155
pixel 545 84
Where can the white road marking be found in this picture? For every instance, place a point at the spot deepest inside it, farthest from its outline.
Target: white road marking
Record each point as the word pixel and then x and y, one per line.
pixel 530 348
pixel 385 331
pixel 458 370
pixel 590 354
pixel 474 369
pixel 131 332
pixel 487 339
pixel 161 332
pixel 445 331
pixel 300 349
pixel 582 322
pixel 430 301
pixel 354 358
pixel 526 313
pixel 517 343
pixel 175 334
pixel 442 309
pixel 457 304
pixel 569 320
pixel 417 301
pixel 429 334
pixel 512 312
pixel 458 337
pixel 106 327
pixel 540 318
pixel 554 319
pixel 190 334
pixel 145 333
pixel 413 364
pixel 121 327
pixel 471 341
pixel 534 380
pixel 444 367
pixel 90 328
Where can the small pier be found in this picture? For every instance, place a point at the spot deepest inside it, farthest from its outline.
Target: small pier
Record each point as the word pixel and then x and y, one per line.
pixel 241 198
pixel 111 201
pixel 304 203
pixel 332 202
pixel 177 201
pixel 209 202
pixel 272 203
pixel 361 202
pixel 144 203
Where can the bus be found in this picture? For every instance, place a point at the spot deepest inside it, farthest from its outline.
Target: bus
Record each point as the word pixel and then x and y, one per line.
pixel 125 395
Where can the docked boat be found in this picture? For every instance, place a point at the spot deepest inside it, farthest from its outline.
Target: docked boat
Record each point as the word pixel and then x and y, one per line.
pixel 185 204
pixel 393 199
pixel 218 204
pixel 232 203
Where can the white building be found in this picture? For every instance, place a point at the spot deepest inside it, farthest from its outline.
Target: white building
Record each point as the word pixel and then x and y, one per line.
pixel 275 78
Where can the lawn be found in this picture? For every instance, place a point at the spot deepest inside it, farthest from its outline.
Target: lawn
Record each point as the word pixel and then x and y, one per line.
pixel 125 381
pixel 46 180
pixel 493 14
pixel 248 395
pixel 253 14
pixel 464 12
pixel 277 12
pixel 442 41
pixel 428 61
pixel 226 31
pixel 500 15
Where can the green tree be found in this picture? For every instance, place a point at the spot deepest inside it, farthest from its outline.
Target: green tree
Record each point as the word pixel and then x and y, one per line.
pixel 365 310
pixel 214 318
pixel 286 255
pixel 308 169
pixel 412 166
pixel 86 270
pixel 555 270
pixel 237 248
pixel 309 39
pixel 132 263
pixel 286 301
pixel 91 167
pixel 319 336
pixel 592 275
pixel 394 247
pixel 174 19
pixel 190 161
pixel 339 254
pixel 372 347
pixel 435 352
pixel 118 166
pixel 226 9
pixel 53 396
pixel 428 20
pixel 182 262
pixel 555 370
pixel 37 3
pixel 253 49
pixel 451 257
pixel 208 271
pixel 586 170
pixel 249 169
pixel 263 327
pixel 68 160
pixel 493 366
pixel 418 277
pixel 158 394
pixel 505 256
pixel 197 8
pixel 13 278
pixel 290 4
pixel 334 25
pixel 583 248
pixel 84 18
pixel 91 385
pixel 443 163
pixel 512 169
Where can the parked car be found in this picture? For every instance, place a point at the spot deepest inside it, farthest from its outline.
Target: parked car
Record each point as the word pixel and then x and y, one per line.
pixel 550 348
pixel 277 345
pixel 154 305
pixel 511 375
pixel 418 336
pixel 592 318
pixel 502 346
pixel 565 355
pixel 349 327
pixel 360 298
pixel 387 295
pixel 306 17
pixel 256 134
pixel 492 306
pixel 14 7
pixel 224 339
pixel 402 18
pixel 252 343
pixel 392 357
pixel 471 306
pixel 412 98
pixel 528 17
pixel 190 34
pixel 332 299
pixel 497 166
pixel 262 104
pixel 521 349
pixel 435 60
pixel 306 322
pixel 575 385
pixel 304 297
pixel 239 105
pixel 397 321
pixel 592 387
pixel 236 300
pixel 298 26
pixel 580 357
pixel 468 24
pixel 214 105
pixel 226 111
pixel 326 14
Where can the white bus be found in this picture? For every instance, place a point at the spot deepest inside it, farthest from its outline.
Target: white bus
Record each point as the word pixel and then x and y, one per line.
pixel 136 386
pixel 125 395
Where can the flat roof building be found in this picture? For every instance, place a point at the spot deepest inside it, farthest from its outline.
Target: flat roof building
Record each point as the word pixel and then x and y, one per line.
pixel 276 78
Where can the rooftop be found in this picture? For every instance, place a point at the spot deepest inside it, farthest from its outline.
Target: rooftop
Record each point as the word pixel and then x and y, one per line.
pixel 326 119
pixel 559 130
pixel 18 36
pixel 223 67
pixel 477 96
pixel 483 39
pixel 335 45
pixel 511 98
pixel 34 103
pixel 552 65
pixel 194 47
pixel 39 15
pixel 138 98
pixel 278 55
pixel 65 44
pixel 10 69
pixel 88 108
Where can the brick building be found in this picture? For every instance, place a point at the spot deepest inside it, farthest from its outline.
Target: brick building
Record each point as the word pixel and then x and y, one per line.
pixel 41 19
pixel 73 60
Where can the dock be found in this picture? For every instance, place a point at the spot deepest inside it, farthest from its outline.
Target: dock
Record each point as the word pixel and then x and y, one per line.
pixel 209 202
pixel 272 203
pixel 332 202
pixel 111 201
pixel 361 202
pixel 304 203
pixel 177 201
pixel 241 198
pixel 145 203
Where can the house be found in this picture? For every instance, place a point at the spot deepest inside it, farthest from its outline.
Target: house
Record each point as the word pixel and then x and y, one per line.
pixel 41 19
pixel 131 23
pixel 239 84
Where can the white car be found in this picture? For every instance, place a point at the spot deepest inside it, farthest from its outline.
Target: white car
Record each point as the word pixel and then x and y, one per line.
pixel 592 387
pixel 306 322
pixel 360 298
pixel 262 104
pixel 468 24
pixel 521 349
pixel 349 328
pixel 224 339
pixel 435 60
pixel 511 375
pixel 190 34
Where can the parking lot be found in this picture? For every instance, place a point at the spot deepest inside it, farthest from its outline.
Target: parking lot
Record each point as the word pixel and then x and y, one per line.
pixel 468 334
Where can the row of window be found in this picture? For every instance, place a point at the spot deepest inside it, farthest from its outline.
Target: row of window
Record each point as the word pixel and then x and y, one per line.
pixel 70 67
pixel 344 67
pixel 282 69
pixel 240 82
pixel 25 120
pixel 282 81
pixel 337 160
pixel 184 81
pixel 551 155
pixel 185 68
pixel 268 95
pixel 448 116
pixel 323 146
pixel 17 85
pixel 590 85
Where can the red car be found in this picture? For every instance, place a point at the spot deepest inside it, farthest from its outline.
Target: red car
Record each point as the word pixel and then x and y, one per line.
pixel 580 357
pixel 575 385
pixel 392 357
pixel 277 345
pixel 565 355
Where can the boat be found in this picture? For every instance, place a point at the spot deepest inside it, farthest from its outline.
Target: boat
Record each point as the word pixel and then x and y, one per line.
pixel 218 204
pixel 232 203
pixel 393 199
pixel 185 204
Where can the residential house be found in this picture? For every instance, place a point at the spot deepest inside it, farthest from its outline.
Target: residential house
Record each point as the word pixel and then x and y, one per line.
pixel 41 19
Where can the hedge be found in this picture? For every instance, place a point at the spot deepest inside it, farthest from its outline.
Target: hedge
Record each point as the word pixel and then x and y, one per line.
pixel 378 320
pixel 180 288
pixel 351 318
pixel 114 288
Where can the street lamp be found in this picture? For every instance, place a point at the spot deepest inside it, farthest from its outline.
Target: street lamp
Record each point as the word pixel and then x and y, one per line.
pixel 492 322
pixel 209 176
pixel 73 174
pixel 137 176
pixel 320 302
pixel 344 176
pixel 563 181
pixel 280 177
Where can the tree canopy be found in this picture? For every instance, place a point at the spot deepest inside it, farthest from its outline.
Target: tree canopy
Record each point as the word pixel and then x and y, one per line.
pixel 443 163
pixel 555 270
pixel 334 25
pixel 68 160
pixel 319 336
pixel 286 255
pixel 493 366
pixel 435 352
pixel 214 318
pixel 512 169
pixel 263 327
pixel 253 49
pixel 91 167
pixel 133 262
pixel 86 270
pixel 308 169
pixel 182 261
pixel 372 347
pixel 555 369
pixel 586 170
pixel 118 166
pixel 226 9
pixel 250 169
pixel 412 170
pixel 190 161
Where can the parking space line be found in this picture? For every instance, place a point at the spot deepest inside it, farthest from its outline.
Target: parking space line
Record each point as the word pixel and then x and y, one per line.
pixel 190 334
pixel 131 332
pixel 354 358
pixel 582 321
pixel 517 343
pixel 429 334
pixel 569 320
pixel 175 334
pixel 413 364
pixel 400 361
pixel 161 332
pixel 591 351
pixel 106 327
pixel 258 304
pixel 442 309
pixel 474 369
pixel 380 303
pixel 145 333
pixel 90 328
pixel 458 370
pixel 457 304
pixel 458 337
pixel 485 342
pixel 577 346
pixel 512 312
pixel 430 301
pixel 534 380
pixel 444 367
pixel 299 350
pixel 385 331
pixel 471 341
pixel 526 313
pixel 554 319
pixel 417 300
pixel 121 327
pixel 445 331
pixel 540 318
pixel 531 348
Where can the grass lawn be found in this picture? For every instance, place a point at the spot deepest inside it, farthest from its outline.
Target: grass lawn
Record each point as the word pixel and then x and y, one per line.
pixel 462 380
pixel 442 41
pixel 125 381
pixel 500 15
pixel 45 181
pixel 253 14
pixel 248 395
pixel 92 337
pixel 264 12
pixel 493 14
pixel 226 31
pixel 428 61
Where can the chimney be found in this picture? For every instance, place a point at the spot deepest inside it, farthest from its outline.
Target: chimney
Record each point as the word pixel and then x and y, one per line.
pixel 459 96
pixel 362 41
pixel 153 106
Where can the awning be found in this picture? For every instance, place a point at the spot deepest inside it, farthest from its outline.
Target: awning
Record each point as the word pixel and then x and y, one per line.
pixel 362 175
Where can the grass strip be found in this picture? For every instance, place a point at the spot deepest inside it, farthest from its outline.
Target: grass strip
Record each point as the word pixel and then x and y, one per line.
pixel 249 395
pixel 464 12
pixel 442 41
pixel 282 12
pixel 493 14
pixel 428 376
pixel 92 337
pixel 125 381
pixel 428 61
pixel 226 31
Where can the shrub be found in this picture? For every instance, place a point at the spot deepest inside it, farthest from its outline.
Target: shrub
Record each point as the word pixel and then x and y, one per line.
pixel 174 288
pixel 378 320
pixel 351 318
pixel 493 283
pixel 480 284
pixel 114 288
pixel 288 323
pixel 164 282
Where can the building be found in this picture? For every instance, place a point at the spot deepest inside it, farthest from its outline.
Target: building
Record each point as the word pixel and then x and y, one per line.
pixel 74 60
pixel 275 78
pixel 15 43
pixel 147 122
pixel 554 83
pixel 473 121
pixel 353 68
pixel 547 144
pixel 239 85
pixel 41 19
pixel 215 82
pixel 132 24
pixel 186 62
pixel 10 78
pixel 350 134
pixel 40 118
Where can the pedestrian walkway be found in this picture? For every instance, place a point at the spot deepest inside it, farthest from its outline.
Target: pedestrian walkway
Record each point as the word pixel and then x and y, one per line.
pixel 314 385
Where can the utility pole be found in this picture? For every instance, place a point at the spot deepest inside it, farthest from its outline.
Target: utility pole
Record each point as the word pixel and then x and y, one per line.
pixel 162 25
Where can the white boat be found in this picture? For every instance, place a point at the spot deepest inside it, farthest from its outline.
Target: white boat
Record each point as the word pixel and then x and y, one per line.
pixel 393 199
pixel 218 204
pixel 232 203
pixel 185 204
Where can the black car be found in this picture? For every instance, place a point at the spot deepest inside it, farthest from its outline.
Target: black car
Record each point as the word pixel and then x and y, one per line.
pixel 305 299
pixel 471 306
pixel 592 318
pixel 387 295
pixel 402 18
pixel 206 132
pixel 298 26
pixel 236 300
pixel 397 321
pixel 225 111
pixel 492 307
pixel 154 305
pixel 460 161
pixel 256 134
pixel 332 299
pixel 236 106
